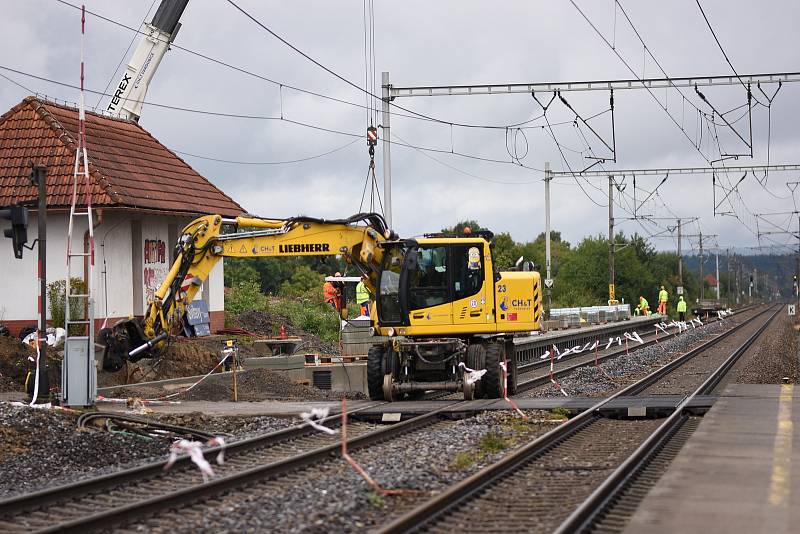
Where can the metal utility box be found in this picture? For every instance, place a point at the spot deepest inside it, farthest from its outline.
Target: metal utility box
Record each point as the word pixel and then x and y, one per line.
pixel 78 373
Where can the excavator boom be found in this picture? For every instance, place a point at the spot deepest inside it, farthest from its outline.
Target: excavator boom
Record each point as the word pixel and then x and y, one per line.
pixel 206 240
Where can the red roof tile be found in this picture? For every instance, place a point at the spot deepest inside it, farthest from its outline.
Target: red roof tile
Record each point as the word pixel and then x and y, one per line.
pixel 128 167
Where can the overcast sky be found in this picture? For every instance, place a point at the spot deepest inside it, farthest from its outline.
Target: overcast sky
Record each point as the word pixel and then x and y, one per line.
pixel 452 43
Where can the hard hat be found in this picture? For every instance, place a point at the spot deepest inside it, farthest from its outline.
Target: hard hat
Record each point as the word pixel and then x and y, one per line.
pixel 337 274
pixel 662 287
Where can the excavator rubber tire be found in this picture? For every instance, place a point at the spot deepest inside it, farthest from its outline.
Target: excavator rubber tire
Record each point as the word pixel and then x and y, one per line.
pixel 475 359
pixel 493 379
pixel 375 371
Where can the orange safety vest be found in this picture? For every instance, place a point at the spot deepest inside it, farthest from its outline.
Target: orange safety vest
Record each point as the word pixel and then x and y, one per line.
pixel 329 292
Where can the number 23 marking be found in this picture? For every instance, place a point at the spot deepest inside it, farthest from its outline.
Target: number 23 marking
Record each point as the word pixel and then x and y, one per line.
pixel 501 288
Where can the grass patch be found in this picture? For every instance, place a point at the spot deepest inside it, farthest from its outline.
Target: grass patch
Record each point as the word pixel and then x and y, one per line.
pixel 375 500
pixel 492 442
pixel 559 413
pixel 463 460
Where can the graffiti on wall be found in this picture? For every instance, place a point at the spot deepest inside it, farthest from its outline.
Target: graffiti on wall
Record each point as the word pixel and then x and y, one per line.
pixel 155 266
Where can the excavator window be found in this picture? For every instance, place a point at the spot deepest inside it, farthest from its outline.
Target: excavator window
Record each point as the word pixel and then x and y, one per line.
pixel 428 285
pixel 467 270
pixel 389 308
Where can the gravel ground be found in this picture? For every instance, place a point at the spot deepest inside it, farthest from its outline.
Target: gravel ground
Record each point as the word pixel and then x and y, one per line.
pixel 774 358
pixel 40 448
pixel 239 427
pixel 689 376
pixel 252 385
pixel 625 369
pixel 331 497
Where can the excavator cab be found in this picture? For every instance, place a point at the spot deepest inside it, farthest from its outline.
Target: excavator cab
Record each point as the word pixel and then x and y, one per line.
pixel 447 315
pixel 430 285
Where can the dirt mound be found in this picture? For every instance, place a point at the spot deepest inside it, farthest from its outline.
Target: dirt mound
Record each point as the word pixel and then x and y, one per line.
pixel 269 324
pixel 184 357
pixel 14 363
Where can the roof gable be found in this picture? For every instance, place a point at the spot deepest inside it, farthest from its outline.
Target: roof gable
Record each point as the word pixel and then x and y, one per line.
pixel 128 166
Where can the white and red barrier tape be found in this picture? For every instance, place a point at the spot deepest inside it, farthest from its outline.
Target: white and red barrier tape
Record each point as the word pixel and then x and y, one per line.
pixel 513 404
pixel 195 451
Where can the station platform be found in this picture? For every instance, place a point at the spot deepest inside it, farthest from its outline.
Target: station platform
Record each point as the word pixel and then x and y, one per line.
pixel 739 471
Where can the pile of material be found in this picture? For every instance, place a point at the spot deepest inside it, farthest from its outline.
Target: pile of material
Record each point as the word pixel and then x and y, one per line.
pixel 268 324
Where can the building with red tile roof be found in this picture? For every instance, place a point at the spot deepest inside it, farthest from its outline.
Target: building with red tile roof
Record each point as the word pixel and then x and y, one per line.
pixel 143 194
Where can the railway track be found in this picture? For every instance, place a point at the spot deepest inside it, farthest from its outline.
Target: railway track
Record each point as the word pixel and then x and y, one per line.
pixel 536 373
pixel 134 494
pixel 533 376
pixel 86 503
pixel 583 466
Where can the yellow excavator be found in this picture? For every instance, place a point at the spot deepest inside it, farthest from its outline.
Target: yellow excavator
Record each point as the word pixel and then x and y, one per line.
pixel 444 313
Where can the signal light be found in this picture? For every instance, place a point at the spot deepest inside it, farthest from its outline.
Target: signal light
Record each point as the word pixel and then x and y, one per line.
pixel 18 215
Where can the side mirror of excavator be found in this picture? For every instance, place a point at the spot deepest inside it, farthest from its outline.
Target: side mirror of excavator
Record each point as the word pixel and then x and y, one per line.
pixel 524 265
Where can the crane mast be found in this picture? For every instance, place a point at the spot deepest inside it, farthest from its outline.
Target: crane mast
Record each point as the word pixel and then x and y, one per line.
pixel 130 91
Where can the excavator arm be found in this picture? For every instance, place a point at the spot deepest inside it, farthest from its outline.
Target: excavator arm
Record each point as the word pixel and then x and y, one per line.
pixel 206 240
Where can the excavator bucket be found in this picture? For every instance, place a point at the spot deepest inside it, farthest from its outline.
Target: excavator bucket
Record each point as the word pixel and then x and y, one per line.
pixel 119 341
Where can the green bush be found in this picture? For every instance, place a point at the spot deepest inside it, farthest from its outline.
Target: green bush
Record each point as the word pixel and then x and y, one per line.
pixel 245 296
pixel 57 298
pixel 308 312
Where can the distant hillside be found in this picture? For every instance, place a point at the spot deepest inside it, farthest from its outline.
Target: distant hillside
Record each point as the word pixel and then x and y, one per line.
pixel 780 268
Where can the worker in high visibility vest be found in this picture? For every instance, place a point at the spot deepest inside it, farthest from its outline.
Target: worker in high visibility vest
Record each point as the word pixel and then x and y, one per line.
pixel 681 309
pixel 363 297
pixel 663 297
pixel 331 295
pixel 644 306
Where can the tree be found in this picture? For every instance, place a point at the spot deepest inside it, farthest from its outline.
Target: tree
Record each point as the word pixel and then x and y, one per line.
pixel 304 280
pixel 240 270
pixel 505 251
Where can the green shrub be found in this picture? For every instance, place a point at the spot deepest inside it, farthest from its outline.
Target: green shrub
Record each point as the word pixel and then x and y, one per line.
pixel 57 298
pixel 244 296
pixel 311 314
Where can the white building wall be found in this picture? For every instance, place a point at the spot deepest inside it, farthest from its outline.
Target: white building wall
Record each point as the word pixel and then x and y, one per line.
pixel 19 279
pixel 113 267
pixel 119 264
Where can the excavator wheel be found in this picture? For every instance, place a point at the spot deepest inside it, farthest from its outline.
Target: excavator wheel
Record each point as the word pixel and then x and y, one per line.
pixel 475 359
pixel 375 371
pixel 493 379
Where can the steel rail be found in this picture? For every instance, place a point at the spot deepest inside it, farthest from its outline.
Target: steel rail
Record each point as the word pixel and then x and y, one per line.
pixel 601 499
pixel 47 496
pixel 649 340
pixel 143 508
pixel 462 491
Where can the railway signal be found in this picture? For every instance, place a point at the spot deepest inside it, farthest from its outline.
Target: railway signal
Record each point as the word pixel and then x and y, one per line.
pixel 18 215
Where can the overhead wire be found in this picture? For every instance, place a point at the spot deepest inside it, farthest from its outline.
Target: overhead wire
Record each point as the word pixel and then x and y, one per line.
pixel 714 34
pixel 370 94
pixel 263 117
pixel 282 162
pixel 628 66
pixel 466 173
